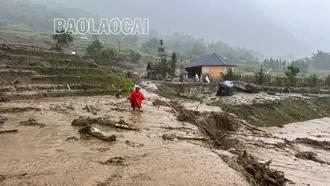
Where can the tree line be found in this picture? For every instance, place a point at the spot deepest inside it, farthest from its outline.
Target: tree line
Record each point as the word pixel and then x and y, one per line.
pixel 319 61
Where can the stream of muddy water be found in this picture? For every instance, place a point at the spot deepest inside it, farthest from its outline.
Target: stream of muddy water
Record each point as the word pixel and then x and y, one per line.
pixel 55 154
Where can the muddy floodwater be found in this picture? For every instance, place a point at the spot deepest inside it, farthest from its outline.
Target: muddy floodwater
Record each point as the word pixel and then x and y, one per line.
pixel 49 151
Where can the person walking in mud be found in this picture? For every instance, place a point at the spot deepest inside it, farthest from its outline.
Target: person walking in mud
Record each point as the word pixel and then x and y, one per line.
pixel 136 98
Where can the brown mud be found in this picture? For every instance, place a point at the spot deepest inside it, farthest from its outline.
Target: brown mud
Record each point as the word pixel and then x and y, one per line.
pixel 31 122
pixel 54 155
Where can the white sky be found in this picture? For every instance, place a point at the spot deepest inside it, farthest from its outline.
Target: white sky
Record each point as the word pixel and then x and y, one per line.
pixel 308 20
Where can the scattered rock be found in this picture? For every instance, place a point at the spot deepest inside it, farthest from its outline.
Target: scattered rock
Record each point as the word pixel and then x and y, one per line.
pixel 133 144
pixel 118 161
pixel 4 99
pixel 2 177
pixel 170 137
pixel 72 139
pixel 59 150
pixel 101 149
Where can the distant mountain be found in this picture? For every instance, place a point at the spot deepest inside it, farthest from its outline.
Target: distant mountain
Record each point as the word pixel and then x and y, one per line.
pixel 236 22
pixel 37 17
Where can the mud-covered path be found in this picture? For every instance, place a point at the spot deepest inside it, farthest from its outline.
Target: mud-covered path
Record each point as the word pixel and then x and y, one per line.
pixel 55 154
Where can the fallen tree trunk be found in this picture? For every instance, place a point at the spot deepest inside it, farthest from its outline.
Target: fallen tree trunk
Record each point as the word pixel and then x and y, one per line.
pixel 192 138
pixel 98 133
pixel 89 108
pixel 8 131
pixel 127 127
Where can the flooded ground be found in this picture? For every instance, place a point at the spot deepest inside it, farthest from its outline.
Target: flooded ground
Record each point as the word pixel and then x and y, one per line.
pixel 50 156
pixel 55 155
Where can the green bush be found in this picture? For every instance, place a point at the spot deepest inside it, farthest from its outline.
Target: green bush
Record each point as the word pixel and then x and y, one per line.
pixel 32 61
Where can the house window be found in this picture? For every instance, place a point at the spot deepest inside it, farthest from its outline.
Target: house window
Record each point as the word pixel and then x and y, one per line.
pixel 228 69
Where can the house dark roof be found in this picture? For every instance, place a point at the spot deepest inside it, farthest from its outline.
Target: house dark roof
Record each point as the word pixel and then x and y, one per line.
pixel 211 60
pixel 150 66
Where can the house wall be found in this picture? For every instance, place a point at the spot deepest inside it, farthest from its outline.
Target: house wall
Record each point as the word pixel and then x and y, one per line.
pixel 215 71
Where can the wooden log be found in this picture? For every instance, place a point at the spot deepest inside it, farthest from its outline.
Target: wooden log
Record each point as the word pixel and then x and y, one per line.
pixel 8 131
pixel 100 134
pixel 192 138
pixel 13 82
pixel 127 127
pixel 90 109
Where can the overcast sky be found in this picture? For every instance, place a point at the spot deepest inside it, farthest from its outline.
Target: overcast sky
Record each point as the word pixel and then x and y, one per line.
pixel 307 20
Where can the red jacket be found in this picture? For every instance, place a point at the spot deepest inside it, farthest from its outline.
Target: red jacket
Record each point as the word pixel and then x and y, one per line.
pixel 136 99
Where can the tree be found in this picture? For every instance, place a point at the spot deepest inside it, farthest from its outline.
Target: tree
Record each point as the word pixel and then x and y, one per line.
pixel 150 47
pixel 100 55
pixel 321 60
pixel 62 38
pixel 106 57
pixel 95 37
pixel 229 76
pixel 163 67
pixel 173 63
pixel 134 56
pixel 161 51
pixel 260 76
pixel 94 49
pixel 291 73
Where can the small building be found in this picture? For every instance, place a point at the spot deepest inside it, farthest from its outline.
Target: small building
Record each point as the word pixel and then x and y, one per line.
pixel 151 72
pixel 84 38
pixel 213 65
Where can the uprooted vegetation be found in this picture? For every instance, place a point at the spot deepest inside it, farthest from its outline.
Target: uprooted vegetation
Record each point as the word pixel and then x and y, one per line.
pixel 215 124
pixel 32 122
pixel 310 156
pixel 87 127
pixel 278 113
pixel 218 125
pixel 18 109
pixel 256 173
pixel 314 143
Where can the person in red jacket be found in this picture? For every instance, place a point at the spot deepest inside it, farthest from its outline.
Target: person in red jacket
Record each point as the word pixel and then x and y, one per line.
pixel 136 98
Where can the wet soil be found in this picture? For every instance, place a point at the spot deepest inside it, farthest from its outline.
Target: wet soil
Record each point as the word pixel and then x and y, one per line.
pixel 55 155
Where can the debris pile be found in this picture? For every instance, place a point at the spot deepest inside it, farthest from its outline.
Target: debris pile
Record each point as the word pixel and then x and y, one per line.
pixel 31 122
pixel 255 172
pixel 310 156
pixel 85 122
pixel 318 144
pixel 18 109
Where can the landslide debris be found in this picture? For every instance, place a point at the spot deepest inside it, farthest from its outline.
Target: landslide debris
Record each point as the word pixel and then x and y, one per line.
pixel 259 174
pixel 31 122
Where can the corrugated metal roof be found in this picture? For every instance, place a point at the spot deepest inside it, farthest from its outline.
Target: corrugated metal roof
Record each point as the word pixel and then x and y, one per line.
pixel 210 60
